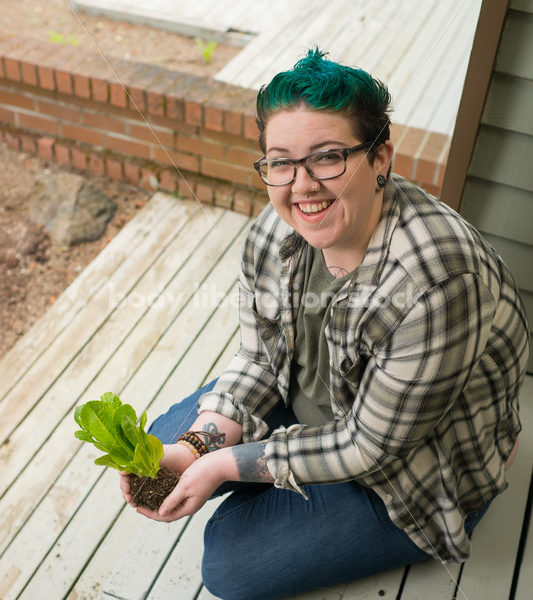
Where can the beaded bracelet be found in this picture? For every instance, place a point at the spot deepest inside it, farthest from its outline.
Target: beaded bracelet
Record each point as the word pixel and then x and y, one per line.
pixel 191 448
pixel 192 439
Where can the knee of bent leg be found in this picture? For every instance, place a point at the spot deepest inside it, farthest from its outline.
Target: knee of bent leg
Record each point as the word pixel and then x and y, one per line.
pixel 224 573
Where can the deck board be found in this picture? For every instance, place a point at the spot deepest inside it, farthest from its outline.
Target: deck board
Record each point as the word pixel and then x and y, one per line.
pixel 420 49
pixel 65 531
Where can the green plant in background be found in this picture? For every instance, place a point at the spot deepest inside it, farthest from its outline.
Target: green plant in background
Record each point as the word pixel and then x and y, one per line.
pixel 206 48
pixel 111 427
pixel 58 38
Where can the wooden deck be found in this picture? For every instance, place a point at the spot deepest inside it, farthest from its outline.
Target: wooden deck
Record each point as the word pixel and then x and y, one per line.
pixel 420 49
pixel 152 318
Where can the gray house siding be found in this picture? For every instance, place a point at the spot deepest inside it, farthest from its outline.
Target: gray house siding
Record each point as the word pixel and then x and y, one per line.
pixel 498 193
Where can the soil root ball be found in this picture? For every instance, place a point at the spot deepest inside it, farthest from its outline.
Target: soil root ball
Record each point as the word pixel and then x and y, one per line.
pixel 151 492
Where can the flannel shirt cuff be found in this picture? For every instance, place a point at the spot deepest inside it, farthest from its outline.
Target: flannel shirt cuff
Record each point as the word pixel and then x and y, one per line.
pixel 277 459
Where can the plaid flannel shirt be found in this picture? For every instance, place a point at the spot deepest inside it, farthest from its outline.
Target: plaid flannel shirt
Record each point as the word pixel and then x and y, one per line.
pixel 428 347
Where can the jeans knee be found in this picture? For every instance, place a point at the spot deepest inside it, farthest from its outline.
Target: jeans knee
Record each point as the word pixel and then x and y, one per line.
pixel 222 574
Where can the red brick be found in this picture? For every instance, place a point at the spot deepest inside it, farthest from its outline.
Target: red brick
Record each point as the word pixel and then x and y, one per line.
pixel 12 69
pixel 46 148
pixel 406 150
pixel 204 192
pixel 62 112
pixel 233 122
pixel 131 173
pixel 428 157
pixel 7 116
pixel 168 181
pixel 28 73
pixel 200 147
pixel 175 107
pixel 18 100
pixel 62 154
pixel 229 139
pixel 117 95
pixel 38 123
pixel 83 134
pixel 242 203
pixel 82 87
pixel 64 82
pixel 149 180
pixel 100 90
pixel 187 187
pixel 193 113
pixel 396 132
pixel 12 141
pixel 79 159
pixel 224 196
pixel 174 125
pixel 128 147
pixel 214 118
pixel 102 121
pixel 96 164
pixel 46 77
pixel 188 162
pixel 260 201
pixel 152 134
pixel 137 80
pixel 155 102
pixel 28 144
pixel 114 169
pixel 251 132
pixel 224 171
pixel 243 158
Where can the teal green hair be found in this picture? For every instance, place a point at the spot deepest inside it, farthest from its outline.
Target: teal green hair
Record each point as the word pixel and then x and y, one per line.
pixel 326 85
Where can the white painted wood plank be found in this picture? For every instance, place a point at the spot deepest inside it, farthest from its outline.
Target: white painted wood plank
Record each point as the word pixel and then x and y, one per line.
pixel 31 346
pixel 29 548
pixel 431 579
pixel 489 571
pixel 412 71
pixel 386 585
pixel 25 440
pixel 446 69
pixel 181 576
pixel 225 357
pixel 64 350
pixel 51 457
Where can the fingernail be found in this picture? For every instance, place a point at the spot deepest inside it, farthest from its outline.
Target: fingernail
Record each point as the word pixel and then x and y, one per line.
pixel 163 511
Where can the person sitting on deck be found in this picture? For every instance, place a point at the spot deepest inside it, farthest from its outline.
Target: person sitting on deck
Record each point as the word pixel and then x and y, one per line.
pixel 371 412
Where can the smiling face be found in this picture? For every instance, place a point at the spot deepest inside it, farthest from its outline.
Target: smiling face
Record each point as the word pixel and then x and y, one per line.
pixel 336 215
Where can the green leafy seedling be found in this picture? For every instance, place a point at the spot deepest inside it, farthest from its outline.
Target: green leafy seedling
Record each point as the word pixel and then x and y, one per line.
pixel 112 427
pixel 206 49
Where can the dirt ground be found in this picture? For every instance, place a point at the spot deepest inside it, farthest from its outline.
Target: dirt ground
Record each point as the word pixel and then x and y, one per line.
pixel 33 270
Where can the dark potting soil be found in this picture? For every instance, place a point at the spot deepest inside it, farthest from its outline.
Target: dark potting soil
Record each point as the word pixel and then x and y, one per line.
pixel 149 492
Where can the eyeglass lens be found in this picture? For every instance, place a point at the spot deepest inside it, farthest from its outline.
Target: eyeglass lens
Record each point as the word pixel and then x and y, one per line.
pixel 323 165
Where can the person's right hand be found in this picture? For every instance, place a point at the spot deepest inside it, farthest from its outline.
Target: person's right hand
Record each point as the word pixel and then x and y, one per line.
pixel 176 457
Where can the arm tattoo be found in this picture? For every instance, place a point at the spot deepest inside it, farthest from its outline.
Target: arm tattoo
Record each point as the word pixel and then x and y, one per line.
pixel 251 462
pixel 212 439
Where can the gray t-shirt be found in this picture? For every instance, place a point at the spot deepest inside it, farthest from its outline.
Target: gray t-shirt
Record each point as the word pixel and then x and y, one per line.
pixel 309 386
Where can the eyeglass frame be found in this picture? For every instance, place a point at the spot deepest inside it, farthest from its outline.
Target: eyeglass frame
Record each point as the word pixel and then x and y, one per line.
pixel 296 162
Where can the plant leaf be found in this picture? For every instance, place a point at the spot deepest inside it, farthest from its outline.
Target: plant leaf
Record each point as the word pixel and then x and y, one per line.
pixel 77 415
pixel 107 461
pixel 97 418
pixel 130 431
pixel 112 399
pixel 156 450
pixel 84 436
pixel 141 459
pixel 142 424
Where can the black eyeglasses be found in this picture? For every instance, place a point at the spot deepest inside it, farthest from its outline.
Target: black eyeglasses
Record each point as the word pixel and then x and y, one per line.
pixel 325 164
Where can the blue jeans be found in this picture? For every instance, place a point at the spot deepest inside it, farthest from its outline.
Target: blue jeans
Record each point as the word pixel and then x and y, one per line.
pixel 264 543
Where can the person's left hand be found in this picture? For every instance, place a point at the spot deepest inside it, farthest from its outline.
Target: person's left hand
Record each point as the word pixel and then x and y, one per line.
pixel 196 485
